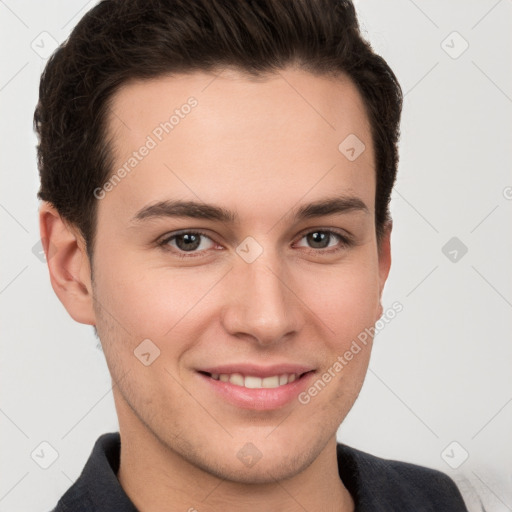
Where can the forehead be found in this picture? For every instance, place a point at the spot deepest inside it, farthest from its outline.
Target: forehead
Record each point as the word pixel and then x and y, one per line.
pixel 230 138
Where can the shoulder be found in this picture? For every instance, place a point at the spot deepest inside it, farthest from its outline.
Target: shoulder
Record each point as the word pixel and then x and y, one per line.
pixel 97 487
pixel 76 499
pixel 381 484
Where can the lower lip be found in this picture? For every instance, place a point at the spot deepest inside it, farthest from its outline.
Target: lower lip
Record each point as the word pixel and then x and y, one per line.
pixel 260 399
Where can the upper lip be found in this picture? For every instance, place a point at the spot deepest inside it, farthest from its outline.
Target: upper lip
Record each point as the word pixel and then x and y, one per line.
pixel 258 371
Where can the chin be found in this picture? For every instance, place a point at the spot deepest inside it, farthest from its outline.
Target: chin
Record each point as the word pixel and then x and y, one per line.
pixel 247 464
pixel 262 472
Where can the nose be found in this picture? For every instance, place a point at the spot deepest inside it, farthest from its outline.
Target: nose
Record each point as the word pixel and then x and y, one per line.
pixel 261 303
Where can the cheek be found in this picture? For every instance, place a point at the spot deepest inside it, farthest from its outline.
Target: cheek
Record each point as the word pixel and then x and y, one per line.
pixel 344 297
pixel 151 302
pixel 161 303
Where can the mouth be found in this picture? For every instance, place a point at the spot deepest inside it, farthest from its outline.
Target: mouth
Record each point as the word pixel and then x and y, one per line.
pixel 256 388
pixel 255 382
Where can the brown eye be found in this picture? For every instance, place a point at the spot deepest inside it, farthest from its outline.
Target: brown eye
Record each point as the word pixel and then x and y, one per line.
pixel 324 239
pixel 319 239
pixel 187 241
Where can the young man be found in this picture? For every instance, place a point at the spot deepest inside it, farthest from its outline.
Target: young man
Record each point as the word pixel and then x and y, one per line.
pixel 215 178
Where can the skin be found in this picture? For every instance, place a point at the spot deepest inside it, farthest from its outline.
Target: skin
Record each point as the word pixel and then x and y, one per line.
pixel 261 148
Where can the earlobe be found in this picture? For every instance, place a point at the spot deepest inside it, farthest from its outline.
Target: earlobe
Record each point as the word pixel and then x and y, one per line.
pixel 68 264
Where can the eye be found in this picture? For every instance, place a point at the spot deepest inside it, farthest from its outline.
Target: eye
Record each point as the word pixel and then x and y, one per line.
pixel 187 242
pixel 321 239
pixel 190 244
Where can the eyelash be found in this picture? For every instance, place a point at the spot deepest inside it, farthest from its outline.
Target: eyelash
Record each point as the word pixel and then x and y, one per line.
pixel 345 243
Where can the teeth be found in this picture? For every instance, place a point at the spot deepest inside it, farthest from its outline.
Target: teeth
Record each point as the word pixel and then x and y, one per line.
pixel 268 382
pixel 252 382
pixel 237 379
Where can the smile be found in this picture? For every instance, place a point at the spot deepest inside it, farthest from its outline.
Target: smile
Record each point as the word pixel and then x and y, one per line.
pixel 253 382
pixel 256 388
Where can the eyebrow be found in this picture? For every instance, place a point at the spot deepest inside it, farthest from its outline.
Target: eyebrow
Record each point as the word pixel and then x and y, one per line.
pixel 197 210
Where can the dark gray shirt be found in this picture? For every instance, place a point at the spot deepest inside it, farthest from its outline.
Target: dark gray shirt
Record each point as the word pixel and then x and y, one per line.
pixel 376 484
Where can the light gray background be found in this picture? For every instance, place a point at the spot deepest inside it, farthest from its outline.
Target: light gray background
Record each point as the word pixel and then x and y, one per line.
pixel 440 371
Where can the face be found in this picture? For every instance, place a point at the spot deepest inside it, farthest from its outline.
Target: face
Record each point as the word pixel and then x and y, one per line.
pixel 219 320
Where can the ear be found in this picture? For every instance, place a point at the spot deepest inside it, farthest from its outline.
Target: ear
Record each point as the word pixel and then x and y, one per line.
pixel 384 255
pixel 68 264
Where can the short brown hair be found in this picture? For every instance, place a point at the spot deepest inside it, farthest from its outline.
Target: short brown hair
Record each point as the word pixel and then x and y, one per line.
pixel 122 40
